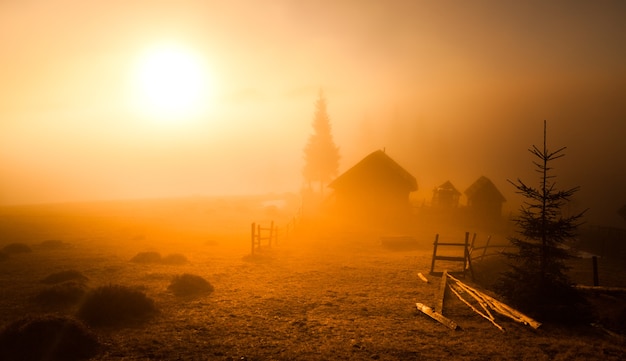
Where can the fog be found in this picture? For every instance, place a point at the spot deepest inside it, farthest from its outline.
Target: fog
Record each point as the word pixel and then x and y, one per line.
pixel 451 90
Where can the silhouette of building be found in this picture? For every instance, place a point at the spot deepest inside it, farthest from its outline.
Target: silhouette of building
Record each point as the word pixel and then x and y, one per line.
pixel 484 200
pixel 446 196
pixel 376 189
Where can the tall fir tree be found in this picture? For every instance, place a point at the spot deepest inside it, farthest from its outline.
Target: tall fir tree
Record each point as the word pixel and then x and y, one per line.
pixel 320 153
pixel 537 280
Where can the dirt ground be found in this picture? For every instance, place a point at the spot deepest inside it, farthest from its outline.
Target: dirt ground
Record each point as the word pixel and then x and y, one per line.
pixel 314 296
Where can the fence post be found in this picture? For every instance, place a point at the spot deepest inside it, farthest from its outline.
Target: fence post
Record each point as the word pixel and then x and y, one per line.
pixel 486 246
pixel 596 280
pixel 252 228
pixel 432 265
pixel 271 233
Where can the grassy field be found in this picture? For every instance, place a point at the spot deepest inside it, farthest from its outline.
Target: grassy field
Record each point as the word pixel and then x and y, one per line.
pixel 315 296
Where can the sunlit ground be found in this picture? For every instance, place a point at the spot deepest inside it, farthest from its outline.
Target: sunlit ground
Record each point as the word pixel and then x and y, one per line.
pixel 318 294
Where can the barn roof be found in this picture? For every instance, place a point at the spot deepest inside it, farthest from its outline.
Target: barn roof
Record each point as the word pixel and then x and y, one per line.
pixel 377 165
pixel 447 187
pixel 483 187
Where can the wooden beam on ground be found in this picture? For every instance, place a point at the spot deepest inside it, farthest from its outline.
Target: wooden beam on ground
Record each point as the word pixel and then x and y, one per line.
pixel 600 288
pixel 442 292
pixel 499 307
pixel 422 277
pixel 437 316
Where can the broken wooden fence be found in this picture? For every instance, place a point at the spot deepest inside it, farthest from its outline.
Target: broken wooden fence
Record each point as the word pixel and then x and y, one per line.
pixel 465 258
pixel 260 234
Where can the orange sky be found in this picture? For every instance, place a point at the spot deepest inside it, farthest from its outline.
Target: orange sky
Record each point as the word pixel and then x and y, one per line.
pixel 452 90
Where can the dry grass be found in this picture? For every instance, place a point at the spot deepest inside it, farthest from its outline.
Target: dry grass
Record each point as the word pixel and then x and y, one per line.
pixel 323 295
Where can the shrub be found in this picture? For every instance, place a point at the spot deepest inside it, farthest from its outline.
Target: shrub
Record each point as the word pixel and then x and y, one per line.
pixel 16 248
pixel 54 244
pixel 63 276
pixel 62 294
pixel 116 305
pixel 147 257
pixel 47 337
pixel 189 285
pixel 175 258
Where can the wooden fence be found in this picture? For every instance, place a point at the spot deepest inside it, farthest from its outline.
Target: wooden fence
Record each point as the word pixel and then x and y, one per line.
pixel 268 236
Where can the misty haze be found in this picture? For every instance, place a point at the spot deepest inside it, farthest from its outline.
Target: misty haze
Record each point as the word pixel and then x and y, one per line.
pixel 302 180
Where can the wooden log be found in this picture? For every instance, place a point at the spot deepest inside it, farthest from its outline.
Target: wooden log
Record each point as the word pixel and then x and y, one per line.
pixel 490 318
pixel 442 292
pixel 437 316
pixel 600 288
pixel 422 277
pixel 503 308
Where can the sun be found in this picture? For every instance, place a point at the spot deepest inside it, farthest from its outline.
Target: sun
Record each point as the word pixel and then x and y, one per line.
pixel 171 83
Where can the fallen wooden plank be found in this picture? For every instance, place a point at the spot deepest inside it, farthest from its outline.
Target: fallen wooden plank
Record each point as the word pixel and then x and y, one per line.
pixel 422 277
pixel 456 291
pixel 502 308
pixel 437 316
pixel 442 293
pixel 600 289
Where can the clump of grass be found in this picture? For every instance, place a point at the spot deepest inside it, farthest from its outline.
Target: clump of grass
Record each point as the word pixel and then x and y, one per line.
pixel 63 276
pixel 13 248
pixel 54 244
pixel 175 258
pixel 116 305
pixel 146 257
pixel 61 295
pixel 47 337
pixel 189 285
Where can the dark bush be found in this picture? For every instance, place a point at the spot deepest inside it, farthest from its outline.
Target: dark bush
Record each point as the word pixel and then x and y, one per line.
pixel 175 258
pixel 147 257
pixel 47 337
pixel 116 305
pixel 16 248
pixel 63 276
pixel 54 244
pixel 189 285
pixel 61 295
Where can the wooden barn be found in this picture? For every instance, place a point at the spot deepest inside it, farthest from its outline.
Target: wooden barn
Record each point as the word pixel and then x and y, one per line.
pixel 376 188
pixel 446 196
pixel 484 199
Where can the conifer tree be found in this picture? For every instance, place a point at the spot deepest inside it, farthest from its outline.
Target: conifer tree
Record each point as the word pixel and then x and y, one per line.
pixel 537 280
pixel 320 153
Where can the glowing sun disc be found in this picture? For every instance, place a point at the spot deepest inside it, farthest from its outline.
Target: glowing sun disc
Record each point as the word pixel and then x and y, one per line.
pixel 171 83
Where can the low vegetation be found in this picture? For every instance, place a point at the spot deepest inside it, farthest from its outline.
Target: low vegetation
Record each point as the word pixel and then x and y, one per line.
pixel 14 248
pixel 147 257
pixel 64 276
pixel 61 295
pixel 47 337
pixel 189 285
pixel 116 305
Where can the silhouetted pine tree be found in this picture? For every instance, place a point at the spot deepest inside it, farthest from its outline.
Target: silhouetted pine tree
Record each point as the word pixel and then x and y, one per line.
pixel 537 281
pixel 320 153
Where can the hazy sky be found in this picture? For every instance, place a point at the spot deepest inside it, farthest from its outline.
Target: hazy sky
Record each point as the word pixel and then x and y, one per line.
pixel 451 89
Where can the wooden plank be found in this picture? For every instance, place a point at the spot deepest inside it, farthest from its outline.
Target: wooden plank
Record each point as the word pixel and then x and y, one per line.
pixel 450 258
pixel 442 292
pixel 422 277
pixel 600 288
pixel 437 316
pixel 455 290
pixel 502 308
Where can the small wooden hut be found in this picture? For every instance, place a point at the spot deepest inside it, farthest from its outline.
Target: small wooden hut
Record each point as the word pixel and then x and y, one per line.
pixel 446 196
pixel 484 199
pixel 376 188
